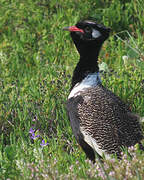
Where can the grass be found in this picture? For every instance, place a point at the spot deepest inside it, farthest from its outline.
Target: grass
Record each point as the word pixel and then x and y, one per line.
pixel 36 63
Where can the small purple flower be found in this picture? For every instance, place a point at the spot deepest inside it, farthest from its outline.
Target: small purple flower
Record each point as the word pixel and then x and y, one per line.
pixel 44 143
pixel 111 173
pixel 31 131
pixel 34 136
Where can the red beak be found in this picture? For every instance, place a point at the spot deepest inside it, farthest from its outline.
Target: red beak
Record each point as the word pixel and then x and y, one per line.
pixel 73 28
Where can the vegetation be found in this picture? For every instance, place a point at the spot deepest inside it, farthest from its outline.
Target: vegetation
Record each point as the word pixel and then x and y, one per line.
pixel 36 63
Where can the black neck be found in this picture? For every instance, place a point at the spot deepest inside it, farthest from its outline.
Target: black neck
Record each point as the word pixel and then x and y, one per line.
pixel 85 66
pixel 88 63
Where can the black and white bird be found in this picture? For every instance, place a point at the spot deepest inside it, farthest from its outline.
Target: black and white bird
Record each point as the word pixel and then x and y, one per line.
pixel 100 121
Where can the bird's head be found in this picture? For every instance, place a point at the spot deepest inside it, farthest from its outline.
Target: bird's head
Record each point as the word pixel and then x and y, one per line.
pixel 88 35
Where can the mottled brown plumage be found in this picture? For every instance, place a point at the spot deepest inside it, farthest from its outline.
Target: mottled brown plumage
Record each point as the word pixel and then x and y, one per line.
pixel 105 118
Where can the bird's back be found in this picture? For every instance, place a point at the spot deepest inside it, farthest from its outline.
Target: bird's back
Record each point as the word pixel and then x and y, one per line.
pixel 102 116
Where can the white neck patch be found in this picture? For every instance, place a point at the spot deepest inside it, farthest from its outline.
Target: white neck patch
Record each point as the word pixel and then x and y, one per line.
pixel 89 81
pixel 96 34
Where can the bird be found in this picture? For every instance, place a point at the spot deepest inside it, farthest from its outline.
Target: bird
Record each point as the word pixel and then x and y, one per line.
pixel 101 122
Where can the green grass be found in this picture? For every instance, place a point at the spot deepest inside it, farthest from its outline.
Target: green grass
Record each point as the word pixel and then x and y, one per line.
pixel 36 63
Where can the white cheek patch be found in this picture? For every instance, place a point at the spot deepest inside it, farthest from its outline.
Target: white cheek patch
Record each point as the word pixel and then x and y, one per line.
pixel 96 33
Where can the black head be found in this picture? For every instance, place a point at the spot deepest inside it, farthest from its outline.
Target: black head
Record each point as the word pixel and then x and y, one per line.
pixel 88 36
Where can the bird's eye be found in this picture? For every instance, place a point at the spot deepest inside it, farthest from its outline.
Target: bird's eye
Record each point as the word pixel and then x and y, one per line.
pixel 88 29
